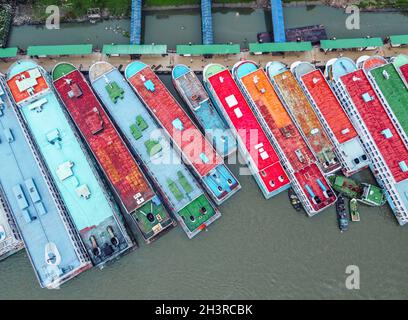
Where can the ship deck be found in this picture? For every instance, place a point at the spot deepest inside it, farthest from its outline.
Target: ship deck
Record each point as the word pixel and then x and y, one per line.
pixel 70 168
pixel 104 141
pixel 172 118
pixel 394 91
pixel 248 129
pixel 329 106
pixel 193 92
pixel 288 137
pixel 377 121
pixel 197 151
pixel 164 164
pixel 307 120
pixel 37 217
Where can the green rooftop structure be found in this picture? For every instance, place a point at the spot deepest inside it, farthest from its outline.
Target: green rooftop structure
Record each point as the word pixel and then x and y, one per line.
pixel 207 49
pixel 115 92
pixel 399 40
pixel 63 50
pixel 394 91
pixel 268 47
pixel 197 212
pixel 137 49
pixel 355 43
pixel 8 52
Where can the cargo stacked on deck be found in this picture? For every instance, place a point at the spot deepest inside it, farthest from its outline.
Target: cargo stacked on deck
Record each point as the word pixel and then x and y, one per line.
pixel 88 203
pixel 178 187
pixel 306 178
pixel 129 183
pixel 382 142
pixel 196 151
pixel 254 146
pixel 53 246
pixel 339 129
pixel 302 112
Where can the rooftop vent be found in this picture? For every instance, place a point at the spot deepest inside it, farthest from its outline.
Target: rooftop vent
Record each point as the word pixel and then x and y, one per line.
pixel 385 74
pixel 387 133
pixel 231 101
pixel 403 166
pixel 366 97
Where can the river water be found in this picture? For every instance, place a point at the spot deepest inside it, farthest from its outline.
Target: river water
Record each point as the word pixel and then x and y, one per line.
pixel 259 248
pixel 232 25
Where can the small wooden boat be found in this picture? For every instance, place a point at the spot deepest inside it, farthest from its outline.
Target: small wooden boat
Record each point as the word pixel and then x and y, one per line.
pixel 355 215
pixel 341 213
pixel 294 200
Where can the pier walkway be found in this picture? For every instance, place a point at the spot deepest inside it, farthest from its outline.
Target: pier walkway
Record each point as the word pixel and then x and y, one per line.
pixel 136 22
pixel 164 63
pixel 277 21
pixel 206 22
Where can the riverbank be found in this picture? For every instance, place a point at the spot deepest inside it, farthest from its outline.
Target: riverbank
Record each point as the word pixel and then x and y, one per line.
pixel 34 14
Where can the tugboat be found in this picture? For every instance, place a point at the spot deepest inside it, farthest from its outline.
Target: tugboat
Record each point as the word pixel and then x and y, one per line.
pixel 364 192
pixel 341 213
pixel 355 215
pixel 294 200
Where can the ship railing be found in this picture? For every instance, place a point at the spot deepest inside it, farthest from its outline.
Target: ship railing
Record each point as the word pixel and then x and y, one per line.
pixel 381 171
pixel 52 188
pixel 5 206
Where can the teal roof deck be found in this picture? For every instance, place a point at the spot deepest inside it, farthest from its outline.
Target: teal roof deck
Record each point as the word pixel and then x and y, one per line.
pixel 164 164
pixel 196 97
pixel 351 43
pixel 394 91
pixel 71 169
pixel 203 49
pixel 397 40
pixel 280 47
pixel 59 50
pixel 142 49
pixel 40 221
pixel 8 52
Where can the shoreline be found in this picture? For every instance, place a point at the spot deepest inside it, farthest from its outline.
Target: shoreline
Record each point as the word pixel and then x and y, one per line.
pixel 20 18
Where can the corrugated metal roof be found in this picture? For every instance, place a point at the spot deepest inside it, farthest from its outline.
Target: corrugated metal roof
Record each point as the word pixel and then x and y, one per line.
pixel 118 49
pixel 201 49
pixel 399 39
pixel 280 46
pixel 351 43
pixel 8 52
pixel 75 49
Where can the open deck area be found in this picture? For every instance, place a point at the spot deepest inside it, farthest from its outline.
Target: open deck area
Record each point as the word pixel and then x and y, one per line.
pixel 307 120
pixel 69 165
pixel 394 91
pixel 288 139
pixel 29 194
pixel 179 188
pixel 377 121
pixel 103 140
pixel 252 140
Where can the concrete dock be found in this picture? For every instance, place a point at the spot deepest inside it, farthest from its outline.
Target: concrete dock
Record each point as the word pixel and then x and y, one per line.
pixel 164 64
